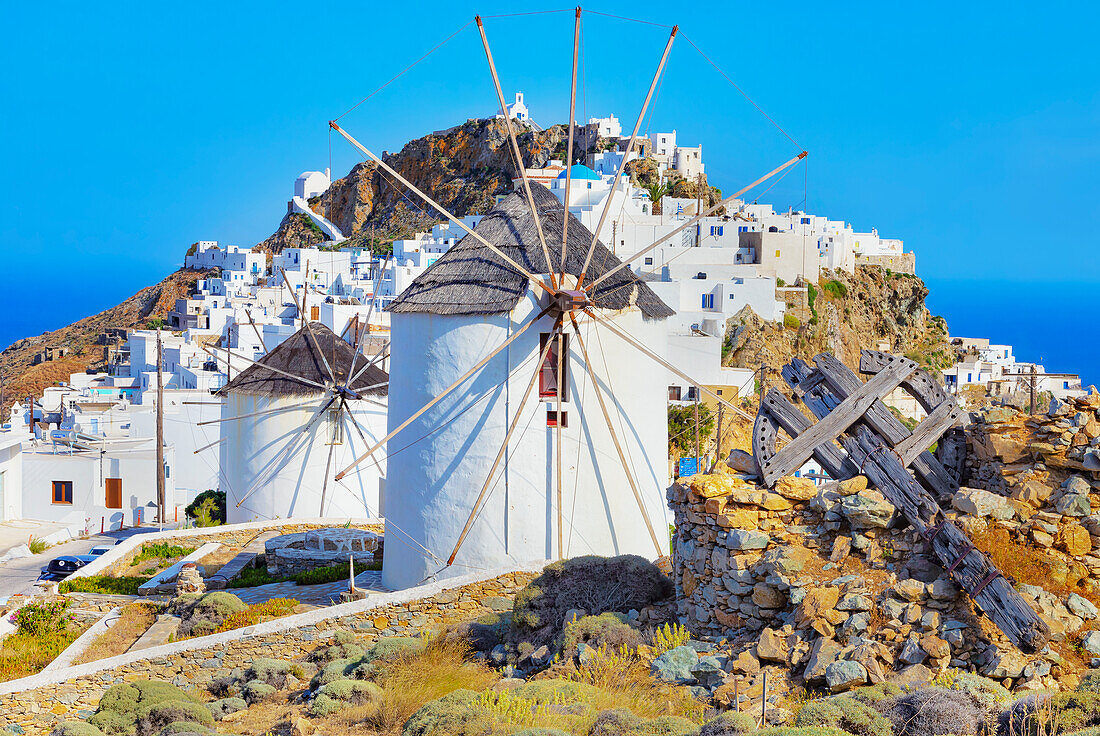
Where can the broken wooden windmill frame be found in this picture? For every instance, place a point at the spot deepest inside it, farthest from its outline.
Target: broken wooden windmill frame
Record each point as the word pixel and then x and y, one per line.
pixel 574 305
pixel 874 443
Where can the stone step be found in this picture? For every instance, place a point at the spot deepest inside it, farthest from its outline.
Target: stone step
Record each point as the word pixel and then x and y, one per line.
pixel 244 558
pixel 159 633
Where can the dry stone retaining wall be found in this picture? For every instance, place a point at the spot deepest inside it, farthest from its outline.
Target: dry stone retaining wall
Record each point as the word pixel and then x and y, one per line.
pixel 35 704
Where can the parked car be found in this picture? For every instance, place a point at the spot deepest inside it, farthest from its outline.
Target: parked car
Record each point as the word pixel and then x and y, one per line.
pixel 100 549
pixel 62 567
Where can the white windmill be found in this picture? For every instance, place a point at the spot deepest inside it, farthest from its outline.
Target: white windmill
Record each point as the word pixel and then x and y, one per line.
pixel 493 472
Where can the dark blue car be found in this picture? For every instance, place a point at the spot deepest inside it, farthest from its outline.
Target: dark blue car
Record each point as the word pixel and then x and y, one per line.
pixel 62 567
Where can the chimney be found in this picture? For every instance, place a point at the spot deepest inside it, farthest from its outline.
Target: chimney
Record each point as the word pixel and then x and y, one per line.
pixel 328 173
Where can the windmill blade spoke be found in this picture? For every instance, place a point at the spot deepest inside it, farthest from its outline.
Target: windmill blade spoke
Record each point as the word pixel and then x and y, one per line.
pixel 381 355
pixel 629 146
pixel 615 439
pixel 231 354
pixel 328 465
pixel 500 453
pixel 560 338
pixel 362 435
pixel 569 146
pixel 324 360
pixel 256 329
pixel 618 331
pixel 516 151
pixel 477 366
pixel 695 220
pixel 352 375
pixel 263 412
pixel 443 211
pixel 287 452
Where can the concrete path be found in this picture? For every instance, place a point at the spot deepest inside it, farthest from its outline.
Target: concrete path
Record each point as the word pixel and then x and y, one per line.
pixel 15 533
pixel 324 594
pixel 159 633
pixel 19 575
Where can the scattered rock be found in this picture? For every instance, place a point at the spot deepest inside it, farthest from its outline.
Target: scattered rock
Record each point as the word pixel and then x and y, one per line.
pixel 845 675
pixel 675 665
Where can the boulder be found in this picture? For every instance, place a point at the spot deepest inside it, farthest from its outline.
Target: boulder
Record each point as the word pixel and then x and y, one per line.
pixel 816 602
pixel 1073 504
pixel 852 486
pixel 1091 643
pixel 868 510
pixel 771 647
pixel 746 539
pixel 912 653
pixel 854 602
pixel 708 671
pixel 844 675
pixel 824 653
pixel 741 461
pixel 935 647
pixel 909 589
pixel 1032 492
pixel 796 489
pixel 978 502
pixel 675 665
pixel 1004 663
pixel 1082 607
pixel 1074 540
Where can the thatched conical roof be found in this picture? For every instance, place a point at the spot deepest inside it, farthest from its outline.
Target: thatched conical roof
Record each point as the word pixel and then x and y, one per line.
pixel 298 356
pixel 471 279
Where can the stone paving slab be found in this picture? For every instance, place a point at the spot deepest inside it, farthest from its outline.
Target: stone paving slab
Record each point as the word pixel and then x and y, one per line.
pixel 157 634
pixel 324 594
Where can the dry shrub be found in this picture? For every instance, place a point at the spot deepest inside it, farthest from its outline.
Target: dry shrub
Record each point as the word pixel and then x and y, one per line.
pixel 257 612
pixel 932 712
pixel 1031 565
pixel 414 677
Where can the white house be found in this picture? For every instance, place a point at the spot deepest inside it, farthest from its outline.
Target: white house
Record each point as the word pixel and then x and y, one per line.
pixel 608 127
pixel 311 184
pixel 11 472
pixel 452 319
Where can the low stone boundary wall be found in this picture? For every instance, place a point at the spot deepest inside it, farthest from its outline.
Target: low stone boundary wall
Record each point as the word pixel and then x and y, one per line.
pixel 37 703
pixel 231 535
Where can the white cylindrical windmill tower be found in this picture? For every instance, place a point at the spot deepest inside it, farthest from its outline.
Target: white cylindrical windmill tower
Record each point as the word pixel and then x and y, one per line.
pixel 291 420
pixel 604 493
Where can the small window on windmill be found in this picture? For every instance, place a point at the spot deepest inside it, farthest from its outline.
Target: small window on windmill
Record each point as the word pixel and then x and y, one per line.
pixel 548 375
pixel 335 427
pixel 552 418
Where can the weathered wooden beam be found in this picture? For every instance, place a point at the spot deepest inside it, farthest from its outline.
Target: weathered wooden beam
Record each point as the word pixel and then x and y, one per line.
pixel 928 431
pixel 969 567
pixel 878 417
pixel 920 385
pixel 776 407
pixel 846 413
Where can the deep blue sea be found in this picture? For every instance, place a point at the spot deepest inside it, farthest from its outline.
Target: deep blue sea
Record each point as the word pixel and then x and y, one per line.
pixel 1056 324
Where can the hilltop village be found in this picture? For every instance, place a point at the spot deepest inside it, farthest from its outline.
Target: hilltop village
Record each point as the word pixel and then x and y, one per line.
pixel 351 492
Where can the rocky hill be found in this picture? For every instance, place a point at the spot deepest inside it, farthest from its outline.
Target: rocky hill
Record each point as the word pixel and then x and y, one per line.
pixel 84 342
pixel 463 168
pixel 844 313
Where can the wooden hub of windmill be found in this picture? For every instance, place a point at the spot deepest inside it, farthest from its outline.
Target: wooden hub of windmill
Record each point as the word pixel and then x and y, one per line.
pixel 567 301
pixel 857 434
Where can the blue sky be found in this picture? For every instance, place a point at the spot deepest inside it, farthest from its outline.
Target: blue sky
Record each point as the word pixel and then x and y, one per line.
pixel 969 130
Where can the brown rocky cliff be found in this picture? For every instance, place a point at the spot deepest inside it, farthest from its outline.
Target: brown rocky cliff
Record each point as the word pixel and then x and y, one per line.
pixel 869 309
pixel 463 169
pixel 21 378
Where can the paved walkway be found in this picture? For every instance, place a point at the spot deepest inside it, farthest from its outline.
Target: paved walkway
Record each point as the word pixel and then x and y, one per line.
pixel 324 594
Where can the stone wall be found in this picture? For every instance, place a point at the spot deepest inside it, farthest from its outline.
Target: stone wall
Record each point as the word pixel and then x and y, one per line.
pixel 905 263
pixel 37 703
pixel 825 584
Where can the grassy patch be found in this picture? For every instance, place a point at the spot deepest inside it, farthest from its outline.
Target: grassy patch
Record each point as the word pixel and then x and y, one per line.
pixel 413 678
pixel 250 577
pixel 103 584
pixel 37 545
pixel 791 322
pixel 160 551
pixel 257 612
pixel 835 289
pixel 133 621
pixel 332 573
pixel 22 655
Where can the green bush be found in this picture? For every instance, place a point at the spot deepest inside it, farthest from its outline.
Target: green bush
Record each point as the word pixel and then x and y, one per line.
pixel 208 508
pixel 344 646
pixel 255 691
pixel 250 577
pixel 835 289
pixel 729 724
pixel 1090 682
pixel 932 712
pixel 389 647
pixel 225 706
pixel 104 584
pixel 608 629
pixel 872 694
pixel 985 692
pixel 272 672
pixel 75 728
pixel 160 551
pixel 36 619
pixel 595 584
pixel 791 322
pixel 847 714
pixel 341 693
pixel 681 427
pixel 202 615
pixel 621 722
pixel 37 545
pixel 332 573
pixel 183 727
pixel 114 723
pixel 447 715
pixel 155 716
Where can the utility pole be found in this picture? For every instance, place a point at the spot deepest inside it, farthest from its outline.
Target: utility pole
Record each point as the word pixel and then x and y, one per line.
pixel 718 443
pixel 697 454
pixel 699 209
pixel 30 415
pixel 761 383
pixel 160 432
pixel 1033 371
pixel 614 227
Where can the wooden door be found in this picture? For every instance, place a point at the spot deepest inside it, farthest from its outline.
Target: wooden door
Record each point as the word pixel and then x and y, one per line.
pixel 114 493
